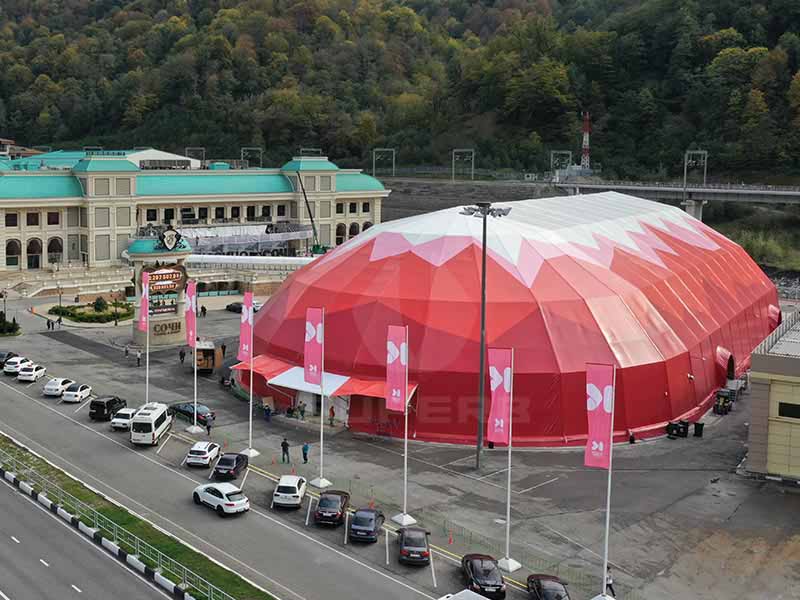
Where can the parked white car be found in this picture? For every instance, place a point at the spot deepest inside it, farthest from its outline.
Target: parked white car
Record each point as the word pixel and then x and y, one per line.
pixel 31 373
pixel 56 386
pixel 290 491
pixel 202 453
pixel 13 365
pixel 77 392
pixel 122 418
pixel 225 498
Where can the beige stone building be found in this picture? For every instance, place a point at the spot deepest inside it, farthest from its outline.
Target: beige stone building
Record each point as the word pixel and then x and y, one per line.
pixel 774 439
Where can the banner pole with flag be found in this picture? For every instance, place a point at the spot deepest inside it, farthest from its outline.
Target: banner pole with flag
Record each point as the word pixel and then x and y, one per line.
pixel 608 488
pixel 190 314
pixel 501 383
pixel 246 329
pixel 314 373
pixel 397 376
pixel 601 381
pixel 144 325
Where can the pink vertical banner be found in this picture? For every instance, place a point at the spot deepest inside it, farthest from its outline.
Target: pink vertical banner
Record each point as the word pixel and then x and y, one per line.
pixel 191 314
pixel 144 303
pixel 396 368
pixel 501 382
pixel 600 414
pixel 313 348
pixel 246 328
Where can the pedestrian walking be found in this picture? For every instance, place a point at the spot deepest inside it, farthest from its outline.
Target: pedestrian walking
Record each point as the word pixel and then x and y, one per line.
pixel 182 355
pixel 302 409
pixel 127 350
pixel 331 415
pixel 138 358
pixel 285 451
pixel 223 347
pixel 208 426
pixel 203 311
pixel 49 324
pixel 610 582
pixel 306 448
pixel 60 321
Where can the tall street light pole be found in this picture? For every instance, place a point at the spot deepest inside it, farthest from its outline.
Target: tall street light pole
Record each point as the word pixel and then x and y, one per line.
pixel 482 210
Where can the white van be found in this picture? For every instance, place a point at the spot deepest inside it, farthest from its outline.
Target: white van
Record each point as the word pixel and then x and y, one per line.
pixel 150 423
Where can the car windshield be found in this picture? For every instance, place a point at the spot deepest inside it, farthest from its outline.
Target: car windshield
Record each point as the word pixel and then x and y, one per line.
pixel 415 539
pixel 142 427
pixel 363 520
pixel 287 489
pixel 235 496
pixel 226 461
pixel 329 502
pixel 201 410
pixel 486 572
pixel 552 590
pixel 73 388
pixel 124 413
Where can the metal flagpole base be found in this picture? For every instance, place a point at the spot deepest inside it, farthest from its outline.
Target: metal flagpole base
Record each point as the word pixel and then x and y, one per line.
pixel 404 519
pixel 320 483
pixel 603 597
pixel 251 452
pixel 509 565
pixel 194 429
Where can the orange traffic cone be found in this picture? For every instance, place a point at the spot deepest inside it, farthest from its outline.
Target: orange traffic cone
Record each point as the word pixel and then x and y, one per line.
pixel 450 539
pixel 225 444
pixel 273 459
pixel 372 503
pixel 293 471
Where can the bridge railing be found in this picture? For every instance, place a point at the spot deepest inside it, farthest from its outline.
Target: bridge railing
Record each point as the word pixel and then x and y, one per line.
pixel 679 185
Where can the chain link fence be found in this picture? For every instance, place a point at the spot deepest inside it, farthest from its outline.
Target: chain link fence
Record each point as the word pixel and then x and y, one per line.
pixel 194 584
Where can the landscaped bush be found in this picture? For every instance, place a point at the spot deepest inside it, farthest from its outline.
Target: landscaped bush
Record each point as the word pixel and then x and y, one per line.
pixel 88 314
pixel 100 304
pixel 8 327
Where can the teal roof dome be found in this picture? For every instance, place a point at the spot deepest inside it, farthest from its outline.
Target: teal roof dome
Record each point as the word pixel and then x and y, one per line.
pixel 153 246
pixel 309 163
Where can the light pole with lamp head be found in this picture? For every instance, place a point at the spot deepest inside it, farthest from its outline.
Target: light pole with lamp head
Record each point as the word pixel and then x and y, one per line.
pixel 483 210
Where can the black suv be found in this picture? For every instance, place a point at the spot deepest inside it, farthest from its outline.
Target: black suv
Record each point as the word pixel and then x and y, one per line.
pixel 332 507
pixel 105 407
pixel 4 356
pixel 547 587
pixel 230 466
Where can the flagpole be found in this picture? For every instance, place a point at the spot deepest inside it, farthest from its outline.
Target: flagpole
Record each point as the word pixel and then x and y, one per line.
pixel 608 490
pixel 406 518
pixel 320 482
pixel 147 351
pixel 507 563
pixel 250 451
pixel 192 302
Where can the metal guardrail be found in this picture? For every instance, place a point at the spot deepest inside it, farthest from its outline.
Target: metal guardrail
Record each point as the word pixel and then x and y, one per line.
pixel 788 322
pixel 693 186
pixel 190 581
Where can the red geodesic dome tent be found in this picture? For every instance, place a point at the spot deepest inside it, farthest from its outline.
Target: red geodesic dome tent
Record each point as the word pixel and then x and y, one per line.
pixel 604 278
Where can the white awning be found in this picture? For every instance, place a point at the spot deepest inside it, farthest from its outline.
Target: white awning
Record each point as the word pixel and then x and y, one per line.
pixel 294 380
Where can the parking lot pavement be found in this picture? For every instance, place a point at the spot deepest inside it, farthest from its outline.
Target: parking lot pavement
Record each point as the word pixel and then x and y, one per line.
pixel 660 486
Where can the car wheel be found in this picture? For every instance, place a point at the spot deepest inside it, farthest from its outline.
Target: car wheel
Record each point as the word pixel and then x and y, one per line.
pixel 220 511
pixel 196 498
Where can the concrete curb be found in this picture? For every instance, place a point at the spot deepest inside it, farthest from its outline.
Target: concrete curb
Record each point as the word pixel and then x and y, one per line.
pixel 97 537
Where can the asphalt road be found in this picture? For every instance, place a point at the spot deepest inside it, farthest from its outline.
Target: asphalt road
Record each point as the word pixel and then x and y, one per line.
pixel 43 558
pixel 264 547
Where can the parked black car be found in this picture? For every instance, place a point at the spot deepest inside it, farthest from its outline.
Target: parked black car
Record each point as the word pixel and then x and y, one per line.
pixel 185 410
pixel 483 576
pixel 230 466
pixel 332 507
pixel 547 587
pixel 413 544
pixel 365 525
pixel 235 307
pixel 5 355
pixel 105 407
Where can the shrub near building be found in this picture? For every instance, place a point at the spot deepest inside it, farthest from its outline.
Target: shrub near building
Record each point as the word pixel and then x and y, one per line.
pixel 99 311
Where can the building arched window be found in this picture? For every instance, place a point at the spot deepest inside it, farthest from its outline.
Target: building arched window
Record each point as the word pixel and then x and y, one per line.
pixel 354 230
pixel 341 231
pixel 34 251
pixel 13 252
pixel 55 250
pixel 366 226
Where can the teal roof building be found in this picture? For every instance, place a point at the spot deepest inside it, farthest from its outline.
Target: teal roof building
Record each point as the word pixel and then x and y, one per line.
pixel 84 207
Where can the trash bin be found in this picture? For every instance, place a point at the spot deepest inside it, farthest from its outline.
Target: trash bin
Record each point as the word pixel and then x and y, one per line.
pixel 683 428
pixel 672 430
pixel 698 429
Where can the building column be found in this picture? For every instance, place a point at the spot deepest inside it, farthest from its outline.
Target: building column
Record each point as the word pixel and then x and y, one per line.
pixel 694 208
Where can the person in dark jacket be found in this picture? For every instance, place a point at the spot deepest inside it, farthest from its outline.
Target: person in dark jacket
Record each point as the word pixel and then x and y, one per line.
pixel 285 451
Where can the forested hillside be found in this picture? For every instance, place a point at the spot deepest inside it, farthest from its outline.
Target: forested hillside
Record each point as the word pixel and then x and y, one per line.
pixel 509 77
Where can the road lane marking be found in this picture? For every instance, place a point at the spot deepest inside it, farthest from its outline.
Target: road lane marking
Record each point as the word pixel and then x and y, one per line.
pixel 166 441
pixel 77 410
pixel 15 539
pixel 229 556
pixel 44 562
pixel 458 460
pixel 3 596
pixel 538 485
pixel 246 472
pixel 433 571
pixel 492 474
pixel 77 589
pixel 211 474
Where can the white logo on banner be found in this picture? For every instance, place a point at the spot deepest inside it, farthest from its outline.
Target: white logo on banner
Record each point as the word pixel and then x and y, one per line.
pixel 311 332
pixel 499 424
pixel 247 315
pixel 496 378
pixel 594 398
pixel 245 347
pixel 313 368
pixel 393 353
pixel 597 446
pixel 395 393
pixel 193 303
